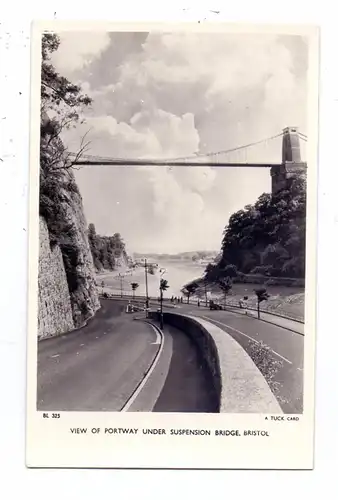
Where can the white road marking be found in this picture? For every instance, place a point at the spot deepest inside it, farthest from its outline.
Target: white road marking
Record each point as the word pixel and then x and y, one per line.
pixel 158 337
pixel 245 335
pixel 146 378
pixel 55 356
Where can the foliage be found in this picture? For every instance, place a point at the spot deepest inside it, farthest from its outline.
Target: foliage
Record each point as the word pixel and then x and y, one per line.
pixel 61 103
pixel 265 360
pixel 266 238
pixel 134 287
pixel 56 90
pixel 105 249
pixel 164 285
pixel 190 289
pixel 230 271
pixel 225 285
pixel 262 294
pixel 212 272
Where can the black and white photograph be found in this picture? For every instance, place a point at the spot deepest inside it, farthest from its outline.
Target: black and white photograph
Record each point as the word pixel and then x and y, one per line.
pixel 173 239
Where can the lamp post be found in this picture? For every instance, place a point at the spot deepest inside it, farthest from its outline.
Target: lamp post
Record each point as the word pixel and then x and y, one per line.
pixel 121 276
pixel 146 279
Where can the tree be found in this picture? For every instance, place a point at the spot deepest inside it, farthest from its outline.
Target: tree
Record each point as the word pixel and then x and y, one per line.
pixel 190 289
pixel 262 295
pixel 61 104
pixel 225 285
pixel 230 271
pixel 211 272
pixel 164 285
pixel 267 237
pixel 104 249
pixel 134 287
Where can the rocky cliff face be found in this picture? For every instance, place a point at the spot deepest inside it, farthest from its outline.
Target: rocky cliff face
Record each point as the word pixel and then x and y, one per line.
pixel 55 310
pixel 121 260
pixel 67 292
pixel 76 253
pixel 65 225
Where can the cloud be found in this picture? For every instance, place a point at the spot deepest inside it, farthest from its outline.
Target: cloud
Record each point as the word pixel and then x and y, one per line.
pixel 78 49
pixel 150 133
pixel 173 94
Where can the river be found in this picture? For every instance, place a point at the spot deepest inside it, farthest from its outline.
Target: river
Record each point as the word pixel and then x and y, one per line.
pixel 178 273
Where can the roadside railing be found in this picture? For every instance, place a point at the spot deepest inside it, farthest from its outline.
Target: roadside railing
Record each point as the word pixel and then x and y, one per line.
pixel 194 301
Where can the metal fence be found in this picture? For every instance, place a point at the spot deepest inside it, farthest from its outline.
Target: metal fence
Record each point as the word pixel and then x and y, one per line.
pixel 194 301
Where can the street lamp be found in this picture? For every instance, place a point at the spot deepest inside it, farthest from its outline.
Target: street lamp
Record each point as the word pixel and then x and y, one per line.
pixel 121 276
pixel 146 279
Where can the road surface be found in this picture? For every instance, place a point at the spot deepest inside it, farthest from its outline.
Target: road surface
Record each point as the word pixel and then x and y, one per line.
pixel 101 366
pixel 286 346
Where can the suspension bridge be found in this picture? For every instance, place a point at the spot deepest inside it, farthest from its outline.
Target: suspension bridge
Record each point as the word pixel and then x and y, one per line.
pixel 240 156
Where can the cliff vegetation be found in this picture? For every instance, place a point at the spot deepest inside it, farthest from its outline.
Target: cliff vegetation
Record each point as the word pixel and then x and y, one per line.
pixel 60 200
pixel 108 252
pixel 266 239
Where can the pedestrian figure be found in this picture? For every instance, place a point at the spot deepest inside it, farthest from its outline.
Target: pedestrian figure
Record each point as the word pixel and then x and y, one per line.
pixel 198 302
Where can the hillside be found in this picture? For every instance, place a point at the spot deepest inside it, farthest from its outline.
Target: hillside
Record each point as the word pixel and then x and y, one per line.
pixel 268 238
pixel 108 252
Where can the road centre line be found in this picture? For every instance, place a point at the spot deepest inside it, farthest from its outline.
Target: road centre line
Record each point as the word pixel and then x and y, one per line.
pixel 149 372
pixel 245 335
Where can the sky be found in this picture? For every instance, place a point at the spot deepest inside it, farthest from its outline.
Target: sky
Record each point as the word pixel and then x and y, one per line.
pixel 167 95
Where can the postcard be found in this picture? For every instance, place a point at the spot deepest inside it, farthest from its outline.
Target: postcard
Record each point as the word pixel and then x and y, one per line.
pixel 172 246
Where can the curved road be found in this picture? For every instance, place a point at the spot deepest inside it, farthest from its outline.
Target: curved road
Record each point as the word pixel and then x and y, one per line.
pixel 286 346
pixel 100 367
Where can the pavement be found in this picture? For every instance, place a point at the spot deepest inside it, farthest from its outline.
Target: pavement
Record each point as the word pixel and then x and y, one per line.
pixel 100 366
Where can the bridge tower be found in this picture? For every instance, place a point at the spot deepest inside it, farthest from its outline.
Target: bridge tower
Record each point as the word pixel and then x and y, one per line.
pixel 292 165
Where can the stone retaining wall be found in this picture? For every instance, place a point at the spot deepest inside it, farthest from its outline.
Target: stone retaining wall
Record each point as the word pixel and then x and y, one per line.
pixel 55 311
pixel 239 385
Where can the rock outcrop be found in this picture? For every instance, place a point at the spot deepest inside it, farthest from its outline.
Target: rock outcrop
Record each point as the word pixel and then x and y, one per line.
pixel 67 292
pixel 78 262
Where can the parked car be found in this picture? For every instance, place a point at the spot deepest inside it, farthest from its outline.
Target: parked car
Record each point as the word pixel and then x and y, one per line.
pixel 215 307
